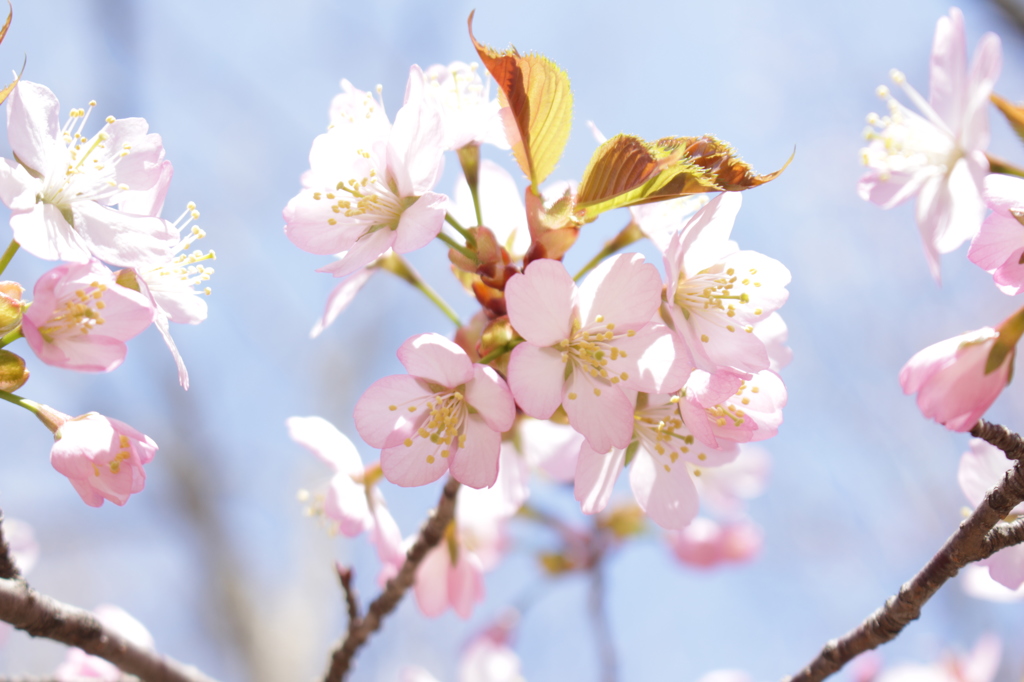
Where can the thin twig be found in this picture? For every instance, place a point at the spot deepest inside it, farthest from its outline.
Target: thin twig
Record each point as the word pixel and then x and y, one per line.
pixel 431 534
pixel 8 569
pixel 351 598
pixel 972 541
pixel 1014 11
pixel 1002 536
pixel 42 616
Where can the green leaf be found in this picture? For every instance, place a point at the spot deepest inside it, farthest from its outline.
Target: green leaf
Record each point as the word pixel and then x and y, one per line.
pixel 538 96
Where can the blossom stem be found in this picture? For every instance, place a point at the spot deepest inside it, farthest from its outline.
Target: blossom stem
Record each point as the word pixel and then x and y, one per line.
pixel 11 336
pixel 29 405
pixel 470 239
pixel 469 157
pixel 12 249
pixel 398 266
pixel 458 247
pixel 629 234
pixel 998 165
pixel 499 351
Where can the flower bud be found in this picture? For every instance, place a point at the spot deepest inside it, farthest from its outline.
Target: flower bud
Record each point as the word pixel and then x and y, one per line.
pixel 11 306
pixel 13 374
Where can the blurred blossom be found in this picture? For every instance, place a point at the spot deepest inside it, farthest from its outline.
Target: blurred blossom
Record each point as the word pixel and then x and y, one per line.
pixel 940 156
pixel 999 246
pixel 982 467
pixel 705 543
pixel 980 665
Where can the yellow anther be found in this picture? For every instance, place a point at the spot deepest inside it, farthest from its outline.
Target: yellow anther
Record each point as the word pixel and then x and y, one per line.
pixel 696 472
pixel 702 457
pixel 407 442
pixel 755 389
pixel 572 396
pixel 730 328
pixel 597 391
pixel 631 333
pixel 704 338
pixel 430 459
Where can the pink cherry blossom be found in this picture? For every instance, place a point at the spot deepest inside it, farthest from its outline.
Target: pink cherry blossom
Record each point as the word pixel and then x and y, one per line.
pixel 102 457
pixel 716 294
pixel 469 115
pixel 368 188
pixel 489 658
pixel 79 665
pixel 982 467
pixel 950 380
pixel 62 186
pixel 666 457
pixel 340 298
pixel 938 156
pixel 999 246
pixel 728 407
pixel 447 413
pixel 550 447
pixel 726 489
pixel 706 544
pixel 977 583
pixel 451 574
pixel 354 503
pixel 584 346
pixel 80 317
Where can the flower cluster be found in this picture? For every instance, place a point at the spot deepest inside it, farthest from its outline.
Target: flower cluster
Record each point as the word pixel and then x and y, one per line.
pixel 92 200
pixel 619 366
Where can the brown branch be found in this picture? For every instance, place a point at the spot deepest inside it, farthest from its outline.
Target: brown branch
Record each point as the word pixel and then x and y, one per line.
pixel 42 616
pixel 602 628
pixel 8 569
pixel 1001 437
pixel 351 598
pixel 972 541
pixel 1013 11
pixel 1002 536
pixel 358 632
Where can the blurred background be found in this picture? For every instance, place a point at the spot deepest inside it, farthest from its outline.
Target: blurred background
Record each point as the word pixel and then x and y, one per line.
pixel 216 558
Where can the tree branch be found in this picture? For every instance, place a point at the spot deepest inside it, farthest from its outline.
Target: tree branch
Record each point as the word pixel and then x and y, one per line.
pixel 8 569
pixel 1002 536
pixel 360 630
pixel 972 541
pixel 351 598
pixel 42 616
pixel 1001 437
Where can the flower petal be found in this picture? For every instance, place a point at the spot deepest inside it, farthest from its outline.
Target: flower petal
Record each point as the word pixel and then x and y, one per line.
pixel 596 474
pixel 436 359
pixel 536 376
pixel 476 463
pixel 541 301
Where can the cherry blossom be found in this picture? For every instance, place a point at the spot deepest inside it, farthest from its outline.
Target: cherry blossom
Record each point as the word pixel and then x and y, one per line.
pixel 730 407
pixel 80 317
pixel 705 543
pixel 368 188
pixel 79 665
pixel 950 380
pixel 982 467
pixel 584 346
pixel 998 247
pixel 979 584
pixel 102 457
pixel 354 503
pixel 666 458
pixel 938 156
pixel 446 413
pixel 716 294
pixel 726 489
pixel 62 186
pixel 468 114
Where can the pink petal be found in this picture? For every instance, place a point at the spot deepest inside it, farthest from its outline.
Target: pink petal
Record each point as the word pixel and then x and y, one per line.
pixel 596 474
pixel 367 249
pixel 324 440
pixel 488 394
pixel 624 290
pixel 340 297
pixel 306 225
pixel 33 125
pixel 420 222
pixel 124 239
pixel 347 506
pixel 602 413
pixel 436 359
pixel 896 188
pixel 465 583
pixel 535 376
pixel 658 361
pixel 415 153
pixel 374 418
pixel 985 67
pixel 420 462
pixel 664 491
pixel 1007 566
pixel 541 302
pixel 431 586
pixel 476 463
pixel 948 85
pixel 164 327
pixel 45 234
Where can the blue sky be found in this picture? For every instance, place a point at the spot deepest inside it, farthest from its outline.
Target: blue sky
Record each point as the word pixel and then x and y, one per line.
pixel 863 490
